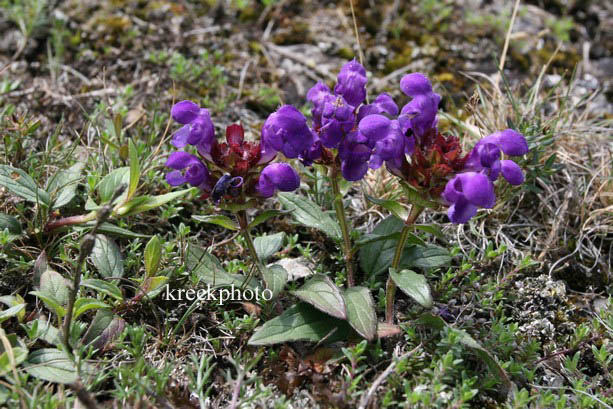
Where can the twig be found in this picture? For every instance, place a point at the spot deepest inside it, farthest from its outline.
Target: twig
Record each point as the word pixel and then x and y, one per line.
pixel 299 59
pixel 236 391
pixel 373 388
pixel 83 395
pixel 86 248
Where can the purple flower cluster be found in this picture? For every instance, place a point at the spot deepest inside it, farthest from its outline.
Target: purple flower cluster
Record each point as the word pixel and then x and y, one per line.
pixel 231 169
pixel 353 136
pixel 473 188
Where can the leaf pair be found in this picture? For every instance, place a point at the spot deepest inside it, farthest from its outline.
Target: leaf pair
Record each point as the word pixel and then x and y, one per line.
pixel 336 313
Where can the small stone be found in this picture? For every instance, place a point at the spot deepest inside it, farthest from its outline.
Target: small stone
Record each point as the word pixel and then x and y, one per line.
pixel 296 267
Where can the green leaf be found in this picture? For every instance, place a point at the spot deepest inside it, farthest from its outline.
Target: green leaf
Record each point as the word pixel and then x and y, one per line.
pixel 275 277
pixel 51 365
pixel 82 305
pixel 21 184
pixel 301 322
pixel 208 269
pixel 118 231
pixel 11 312
pixel 376 256
pixel 51 302
pixel 45 331
pixel 54 285
pixel 107 257
pixel 495 368
pixel 134 169
pixel 151 202
pixel 111 182
pixel 425 257
pixel 415 197
pixel 393 206
pixel 414 285
pixel 18 350
pixel 11 224
pixel 63 185
pixel 153 254
pixel 321 292
pixel 219 220
pixel 266 246
pixel 431 229
pixel 309 214
pixel 152 286
pixel 361 312
pixel 105 327
pixel 104 287
pixel 13 301
pixel 264 216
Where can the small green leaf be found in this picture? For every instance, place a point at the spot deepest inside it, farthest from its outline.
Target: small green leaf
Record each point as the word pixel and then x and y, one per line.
pixel 361 312
pixel 13 301
pixel 264 216
pixel 111 182
pixel 376 256
pixel 321 292
pixel 414 285
pixel 266 246
pixel 104 287
pixel 11 312
pixel 151 202
pixel 51 302
pixel 219 220
pixel 82 305
pixel 117 231
pixel 18 350
pixel 54 285
pixel 309 214
pixel 105 327
pixel 134 169
pixel 51 365
pixel 11 224
pixel 416 198
pixel 152 286
pixel 393 206
pixel 301 322
pixel 63 185
pixel 107 257
pixel 275 277
pixel 425 257
pixel 153 254
pixel 45 331
pixel 21 184
pixel 208 269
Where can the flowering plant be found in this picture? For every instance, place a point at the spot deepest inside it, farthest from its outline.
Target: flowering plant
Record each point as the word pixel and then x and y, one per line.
pixel 348 136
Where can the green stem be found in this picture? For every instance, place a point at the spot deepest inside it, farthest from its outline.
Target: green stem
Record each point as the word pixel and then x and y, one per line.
pixel 342 219
pixel 244 225
pixel 390 286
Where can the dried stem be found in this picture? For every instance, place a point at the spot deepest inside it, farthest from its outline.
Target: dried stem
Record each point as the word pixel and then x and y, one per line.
pixel 390 286
pixel 87 244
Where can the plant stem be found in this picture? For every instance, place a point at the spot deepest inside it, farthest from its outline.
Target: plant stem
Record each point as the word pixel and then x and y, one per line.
pixel 244 225
pixel 71 220
pixel 86 248
pixel 342 219
pixel 390 286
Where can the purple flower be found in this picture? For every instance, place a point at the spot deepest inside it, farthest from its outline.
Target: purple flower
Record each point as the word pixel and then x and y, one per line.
pixel 337 119
pixel 485 156
pixel 351 83
pixel 313 152
pixel 466 192
pixel 383 104
pixel 384 137
pixel 198 129
pixel 188 168
pixel 277 176
pixel 285 130
pixel 420 112
pixel 354 154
